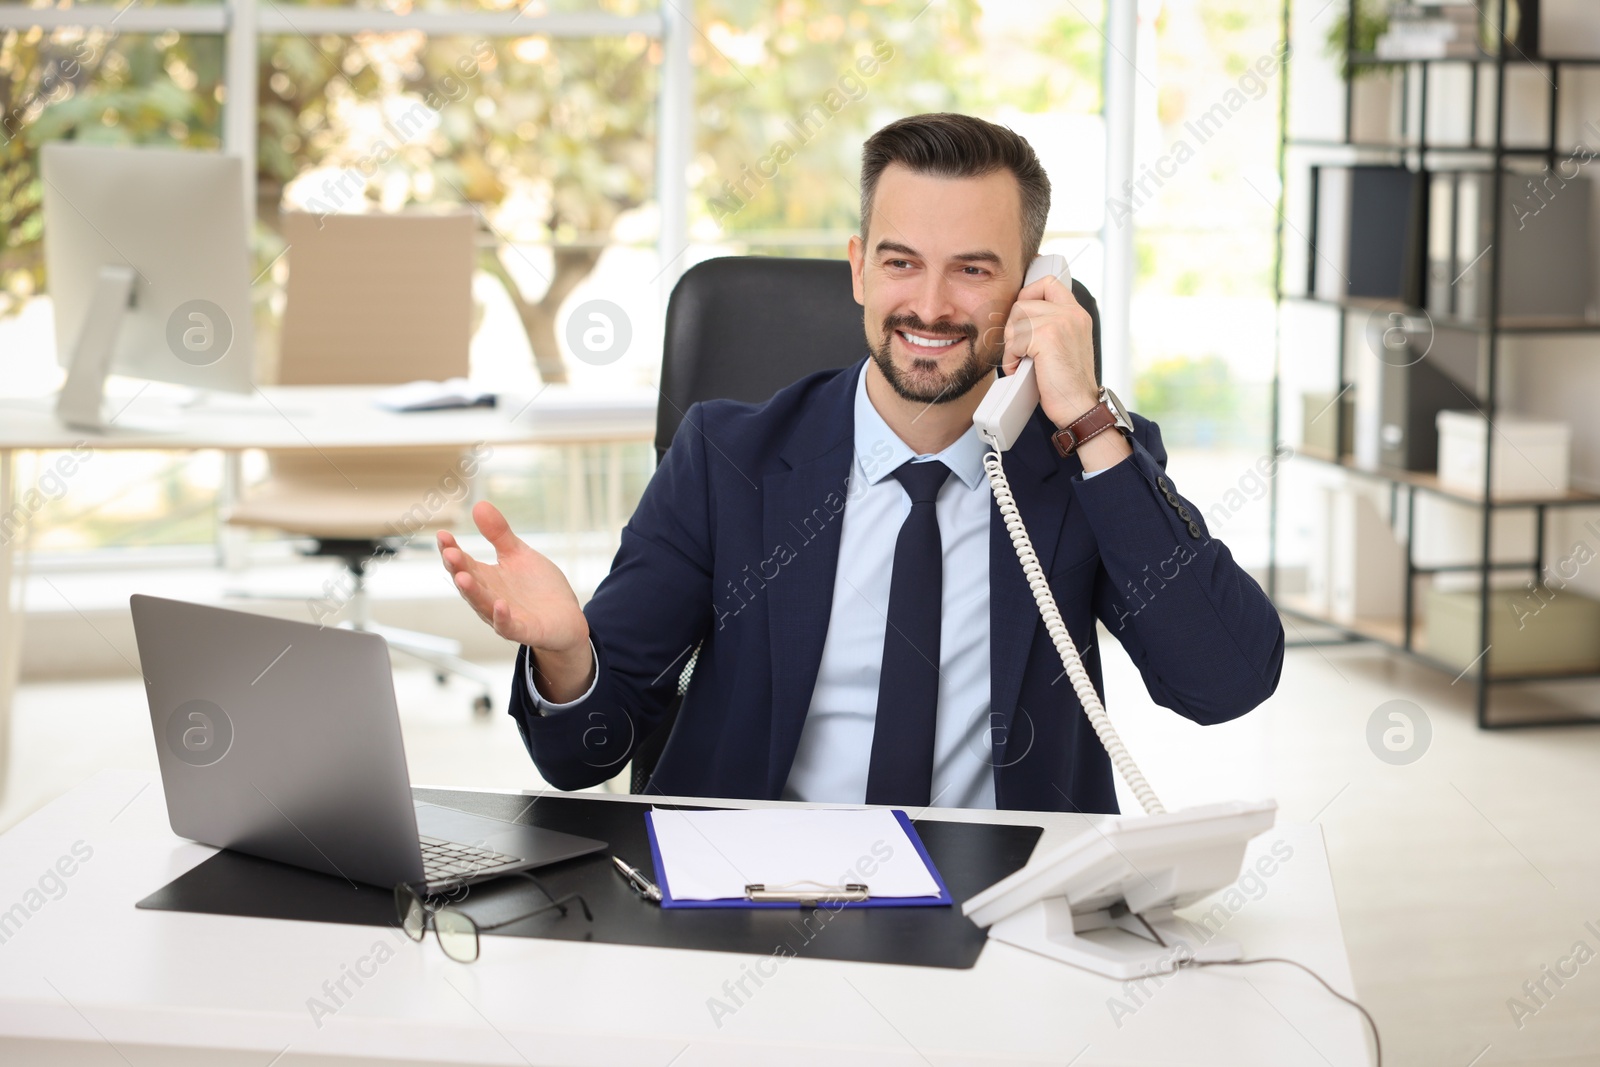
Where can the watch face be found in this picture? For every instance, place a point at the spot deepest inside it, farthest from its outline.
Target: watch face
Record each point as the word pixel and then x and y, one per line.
pixel 1123 422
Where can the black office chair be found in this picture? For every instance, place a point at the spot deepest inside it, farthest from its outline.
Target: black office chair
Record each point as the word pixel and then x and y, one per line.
pixel 801 316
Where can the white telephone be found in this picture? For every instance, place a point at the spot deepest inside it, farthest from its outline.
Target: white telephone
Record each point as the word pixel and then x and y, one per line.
pixel 1080 887
pixel 1011 400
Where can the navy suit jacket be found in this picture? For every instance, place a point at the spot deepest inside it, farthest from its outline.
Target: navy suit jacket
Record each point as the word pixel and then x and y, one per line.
pixel 734 547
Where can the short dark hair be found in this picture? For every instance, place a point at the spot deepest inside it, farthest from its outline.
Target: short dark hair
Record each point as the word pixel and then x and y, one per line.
pixel 959 146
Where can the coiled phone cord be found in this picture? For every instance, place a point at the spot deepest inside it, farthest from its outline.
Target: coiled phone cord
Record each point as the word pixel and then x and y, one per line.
pixel 1131 776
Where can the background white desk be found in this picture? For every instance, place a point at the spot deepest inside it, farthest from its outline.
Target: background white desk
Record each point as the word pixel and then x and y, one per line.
pixel 89 970
pixel 294 418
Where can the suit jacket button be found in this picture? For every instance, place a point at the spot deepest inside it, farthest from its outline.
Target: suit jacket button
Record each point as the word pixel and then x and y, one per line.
pixel 1183 513
pixel 1194 529
pixel 1164 485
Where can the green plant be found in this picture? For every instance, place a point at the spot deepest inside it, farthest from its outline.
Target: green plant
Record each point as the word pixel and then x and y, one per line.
pixel 1372 19
pixel 1200 402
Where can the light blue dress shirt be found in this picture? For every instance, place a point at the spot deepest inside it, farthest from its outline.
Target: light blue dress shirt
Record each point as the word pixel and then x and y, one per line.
pixel 835 749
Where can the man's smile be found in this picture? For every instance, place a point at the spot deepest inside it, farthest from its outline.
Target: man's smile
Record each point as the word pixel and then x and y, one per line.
pixel 925 342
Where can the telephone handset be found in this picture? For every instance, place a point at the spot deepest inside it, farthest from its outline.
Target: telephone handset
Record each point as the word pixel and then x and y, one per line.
pixel 1011 400
pixel 1000 418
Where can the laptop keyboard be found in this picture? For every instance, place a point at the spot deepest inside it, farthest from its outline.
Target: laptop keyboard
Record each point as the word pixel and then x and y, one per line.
pixel 449 860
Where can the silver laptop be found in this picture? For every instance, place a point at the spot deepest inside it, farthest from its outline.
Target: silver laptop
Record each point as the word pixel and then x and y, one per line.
pixel 282 739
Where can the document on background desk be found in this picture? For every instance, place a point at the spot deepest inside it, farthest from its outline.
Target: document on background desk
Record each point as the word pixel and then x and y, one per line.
pixel 707 858
pixel 434 396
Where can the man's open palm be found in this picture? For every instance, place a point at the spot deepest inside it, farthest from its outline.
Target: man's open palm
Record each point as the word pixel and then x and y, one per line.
pixel 523 595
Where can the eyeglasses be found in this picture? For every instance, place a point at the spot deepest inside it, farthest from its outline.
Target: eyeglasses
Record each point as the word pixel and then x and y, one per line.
pixel 457 931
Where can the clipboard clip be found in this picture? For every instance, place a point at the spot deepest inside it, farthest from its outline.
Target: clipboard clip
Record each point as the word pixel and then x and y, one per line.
pixel 788 893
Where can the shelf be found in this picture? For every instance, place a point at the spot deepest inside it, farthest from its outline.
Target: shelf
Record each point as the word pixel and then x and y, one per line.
pixel 1428 482
pixel 1483 150
pixel 1530 151
pixel 1507 324
pixel 1390 633
pixel 1371 59
pixel 1384 631
pixel 1472 568
pixel 1529 326
pixel 1505 151
pixel 1370 146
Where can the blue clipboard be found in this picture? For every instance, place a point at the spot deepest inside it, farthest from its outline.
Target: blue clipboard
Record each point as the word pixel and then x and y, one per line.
pixel 943 898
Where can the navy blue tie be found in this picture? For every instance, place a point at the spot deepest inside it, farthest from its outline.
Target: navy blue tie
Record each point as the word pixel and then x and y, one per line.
pixel 901 771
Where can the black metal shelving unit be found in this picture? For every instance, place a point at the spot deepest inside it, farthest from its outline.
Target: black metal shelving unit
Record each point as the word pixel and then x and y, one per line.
pixel 1404 486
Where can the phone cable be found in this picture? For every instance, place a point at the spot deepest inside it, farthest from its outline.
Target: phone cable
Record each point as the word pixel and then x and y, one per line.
pixel 1191 962
pixel 1131 775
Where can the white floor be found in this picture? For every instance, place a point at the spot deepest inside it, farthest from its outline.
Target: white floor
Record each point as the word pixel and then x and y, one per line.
pixel 1460 876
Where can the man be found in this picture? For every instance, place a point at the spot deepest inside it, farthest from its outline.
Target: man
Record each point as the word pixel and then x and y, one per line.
pixel 864 629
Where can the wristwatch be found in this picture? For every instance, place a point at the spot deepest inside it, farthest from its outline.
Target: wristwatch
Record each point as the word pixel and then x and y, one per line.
pixel 1092 423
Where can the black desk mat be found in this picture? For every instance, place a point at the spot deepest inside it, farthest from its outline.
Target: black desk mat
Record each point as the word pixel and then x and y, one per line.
pixel 970 857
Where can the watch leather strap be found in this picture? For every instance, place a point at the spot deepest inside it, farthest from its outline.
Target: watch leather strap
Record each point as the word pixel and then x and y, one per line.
pixel 1097 420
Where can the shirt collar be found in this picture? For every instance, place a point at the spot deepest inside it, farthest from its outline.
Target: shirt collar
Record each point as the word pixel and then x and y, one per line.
pixel 880 452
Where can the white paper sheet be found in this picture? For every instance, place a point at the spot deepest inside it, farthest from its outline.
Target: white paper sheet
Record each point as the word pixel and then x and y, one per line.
pixel 713 855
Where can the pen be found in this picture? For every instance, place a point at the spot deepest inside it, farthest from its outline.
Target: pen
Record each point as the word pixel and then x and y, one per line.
pixel 641 885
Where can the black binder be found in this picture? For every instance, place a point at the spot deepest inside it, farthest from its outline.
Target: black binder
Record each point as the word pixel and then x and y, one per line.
pixel 970 857
pixel 1369 231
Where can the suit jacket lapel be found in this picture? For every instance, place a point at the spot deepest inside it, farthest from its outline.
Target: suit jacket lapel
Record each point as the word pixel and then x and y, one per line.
pixel 803 509
pixel 1035 473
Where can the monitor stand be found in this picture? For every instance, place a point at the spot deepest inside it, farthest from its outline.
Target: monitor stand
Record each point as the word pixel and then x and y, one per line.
pixel 81 403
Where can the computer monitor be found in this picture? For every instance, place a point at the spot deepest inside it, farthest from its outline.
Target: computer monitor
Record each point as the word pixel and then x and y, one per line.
pixel 147 260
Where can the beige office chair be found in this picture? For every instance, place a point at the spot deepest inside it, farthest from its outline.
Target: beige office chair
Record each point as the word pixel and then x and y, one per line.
pixel 372 299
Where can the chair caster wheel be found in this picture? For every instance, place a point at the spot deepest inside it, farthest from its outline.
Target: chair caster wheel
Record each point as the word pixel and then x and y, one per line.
pixel 481 706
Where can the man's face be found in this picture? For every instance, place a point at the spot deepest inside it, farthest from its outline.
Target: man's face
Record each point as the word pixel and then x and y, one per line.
pixel 937 274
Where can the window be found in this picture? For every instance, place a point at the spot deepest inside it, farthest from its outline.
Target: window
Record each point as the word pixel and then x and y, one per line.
pixel 1204 204
pixel 564 124
pixel 517 111
pixel 787 93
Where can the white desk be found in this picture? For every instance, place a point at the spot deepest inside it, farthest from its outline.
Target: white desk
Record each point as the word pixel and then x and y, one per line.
pixel 89 969
pixel 293 418
pixel 309 417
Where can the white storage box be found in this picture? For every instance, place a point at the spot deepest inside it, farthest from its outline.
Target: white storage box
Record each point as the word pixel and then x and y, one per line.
pixel 1530 457
pixel 1568 28
pixel 1358 573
